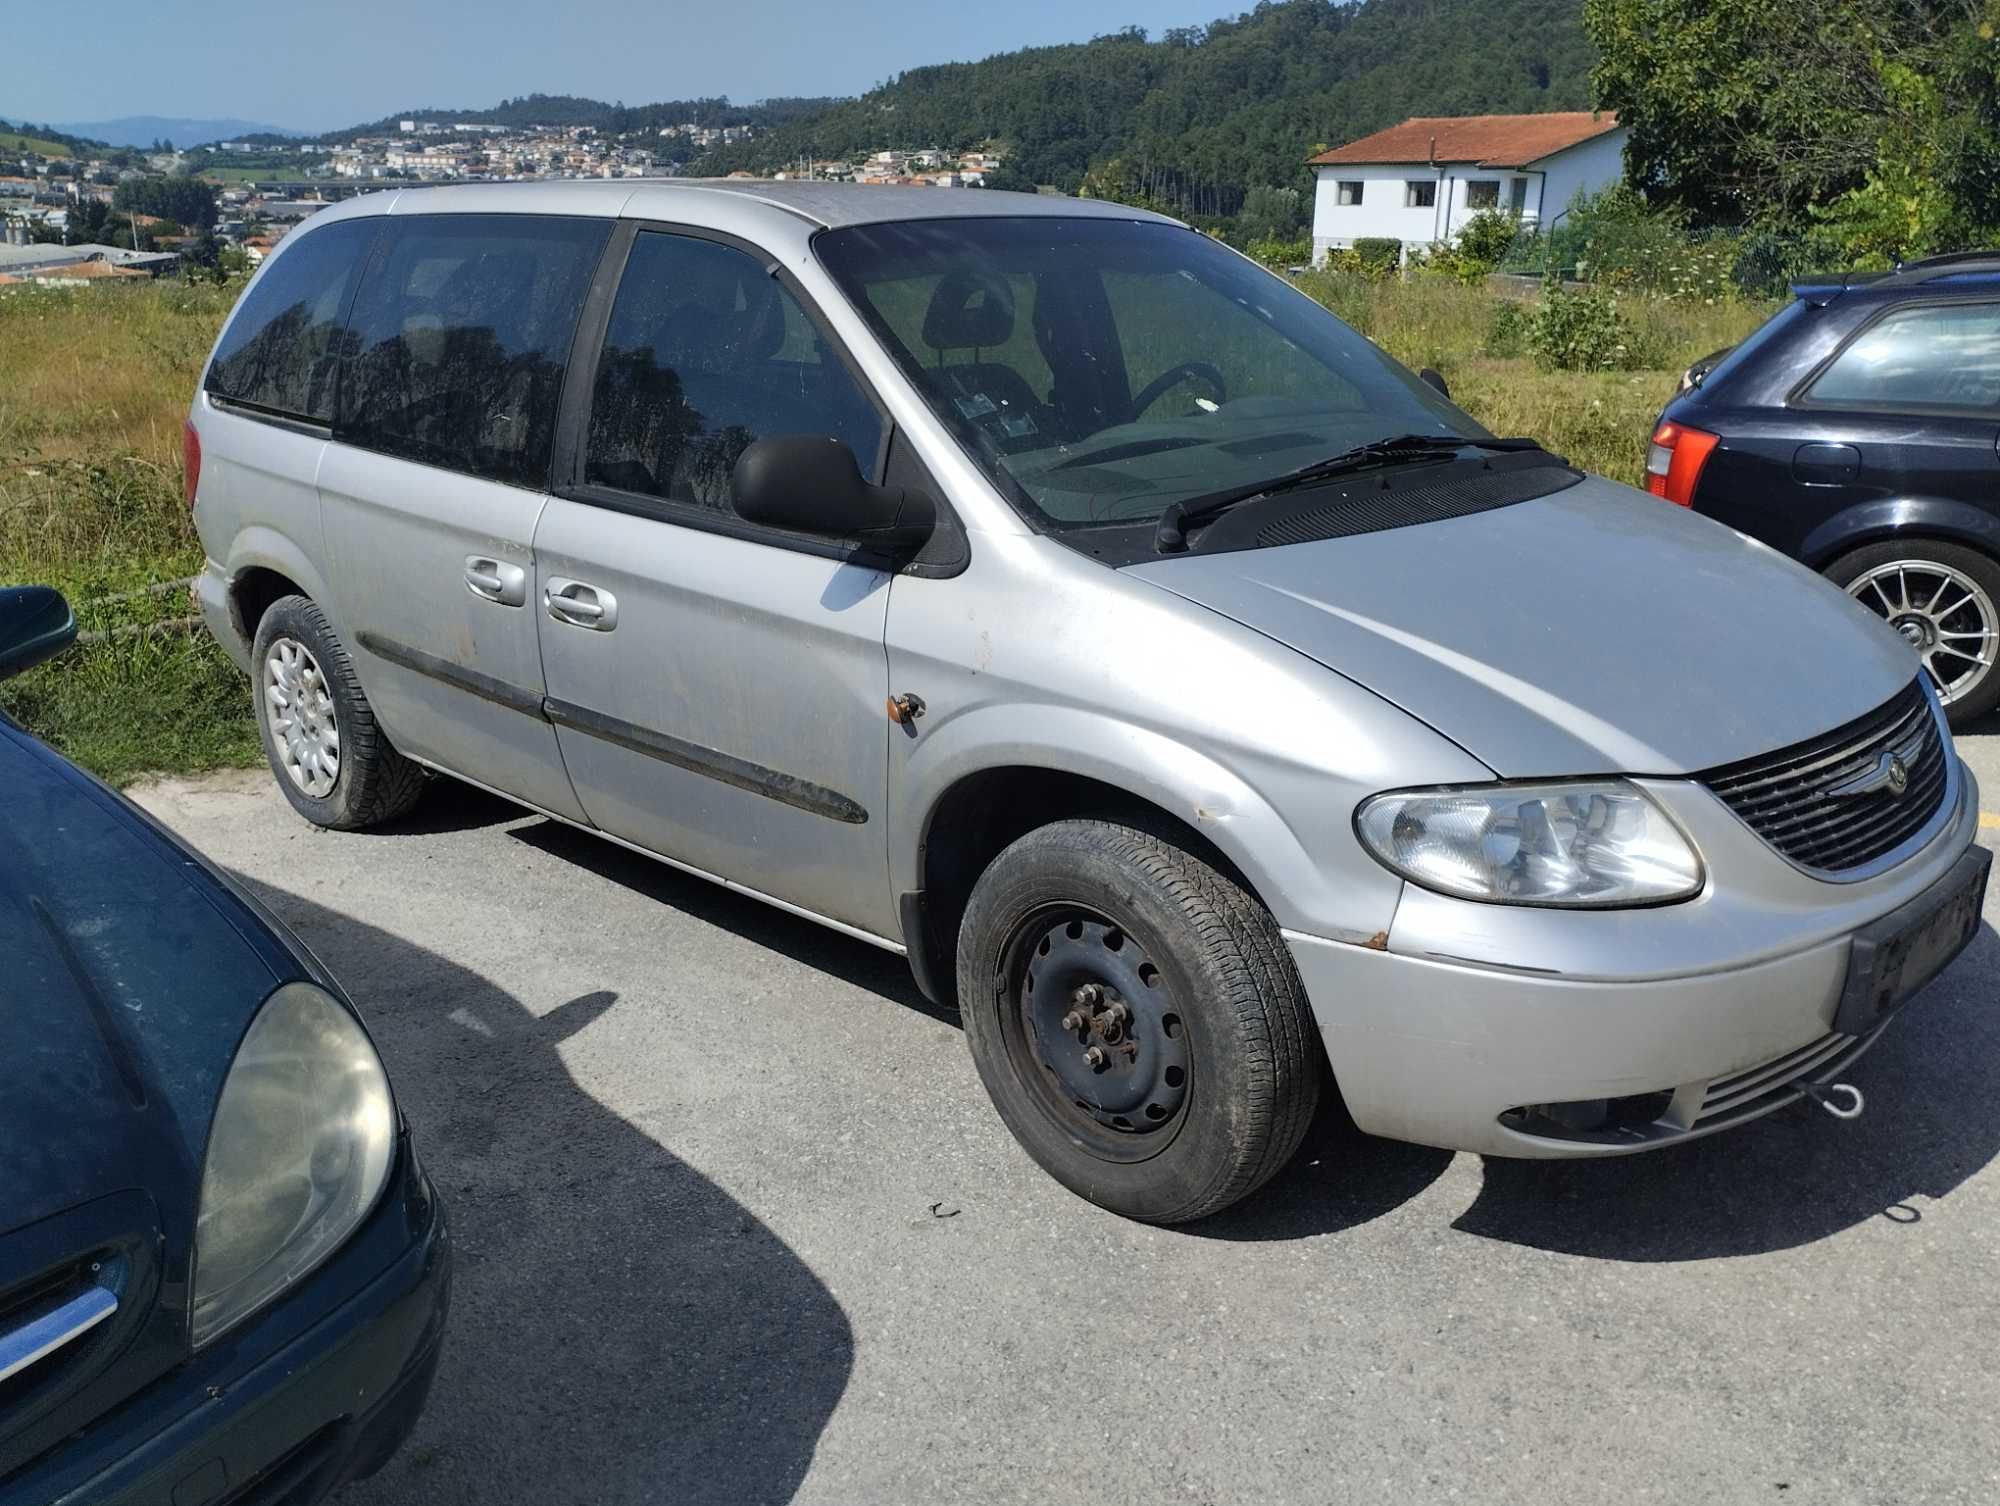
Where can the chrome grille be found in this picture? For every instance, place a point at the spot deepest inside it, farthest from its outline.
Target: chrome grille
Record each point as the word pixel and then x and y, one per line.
pixel 1804 800
pixel 1752 1091
pixel 41 1322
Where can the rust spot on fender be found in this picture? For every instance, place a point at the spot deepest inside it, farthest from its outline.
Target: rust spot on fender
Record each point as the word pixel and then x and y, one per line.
pixel 1379 942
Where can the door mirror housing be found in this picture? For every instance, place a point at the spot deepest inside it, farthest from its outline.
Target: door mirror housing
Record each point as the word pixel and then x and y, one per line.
pixel 1431 377
pixel 35 624
pixel 811 483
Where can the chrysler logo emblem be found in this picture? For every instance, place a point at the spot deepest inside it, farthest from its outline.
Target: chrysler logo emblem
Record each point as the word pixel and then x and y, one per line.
pixel 1890 773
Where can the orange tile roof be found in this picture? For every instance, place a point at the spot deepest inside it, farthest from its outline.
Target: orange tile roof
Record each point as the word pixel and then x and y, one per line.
pixel 1485 140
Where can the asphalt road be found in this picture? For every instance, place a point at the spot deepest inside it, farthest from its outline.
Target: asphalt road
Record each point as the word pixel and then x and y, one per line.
pixel 737 1225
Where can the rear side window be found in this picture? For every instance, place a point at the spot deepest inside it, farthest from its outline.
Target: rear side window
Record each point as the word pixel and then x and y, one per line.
pixel 705 353
pixel 1939 356
pixel 277 354
pixel 460 337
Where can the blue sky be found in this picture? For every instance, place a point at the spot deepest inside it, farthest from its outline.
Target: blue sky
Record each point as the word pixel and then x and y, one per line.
pixel 316 66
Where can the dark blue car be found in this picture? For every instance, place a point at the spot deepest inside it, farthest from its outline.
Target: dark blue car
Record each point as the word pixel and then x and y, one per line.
pixel 1859 432
pixel 223 1274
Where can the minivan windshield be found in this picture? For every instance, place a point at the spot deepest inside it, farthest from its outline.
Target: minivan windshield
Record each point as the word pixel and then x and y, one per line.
pixel 1103 370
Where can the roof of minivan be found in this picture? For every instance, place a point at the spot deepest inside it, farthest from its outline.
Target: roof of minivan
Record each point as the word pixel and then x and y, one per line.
pixel 827 205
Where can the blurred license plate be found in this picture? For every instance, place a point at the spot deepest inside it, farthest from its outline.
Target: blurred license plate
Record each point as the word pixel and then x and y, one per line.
pixel 1897 955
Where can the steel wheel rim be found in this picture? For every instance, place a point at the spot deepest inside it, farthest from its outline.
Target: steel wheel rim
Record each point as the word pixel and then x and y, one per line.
pixel 299 710
pixel 1942 613
pixel 1075 981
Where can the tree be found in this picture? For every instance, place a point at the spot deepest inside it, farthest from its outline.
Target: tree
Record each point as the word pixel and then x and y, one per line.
pixel 186 201
pixel 1269 214
pixel 1008 180
pixel 1879 117
pixel 87 221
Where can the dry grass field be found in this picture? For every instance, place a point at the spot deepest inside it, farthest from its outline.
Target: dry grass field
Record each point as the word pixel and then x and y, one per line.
pixel 94 383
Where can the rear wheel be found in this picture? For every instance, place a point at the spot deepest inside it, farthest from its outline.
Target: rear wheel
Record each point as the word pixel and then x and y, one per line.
pixel 1945 601
pixel 1136 1019
pixel 331 759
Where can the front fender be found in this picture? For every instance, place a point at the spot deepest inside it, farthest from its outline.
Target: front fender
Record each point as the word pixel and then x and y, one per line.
pixel 1319 893
pixel 1885 517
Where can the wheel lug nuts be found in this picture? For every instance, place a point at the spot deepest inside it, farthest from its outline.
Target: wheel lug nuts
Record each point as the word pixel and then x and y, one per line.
pixel 1095 1057
pixel 1073 1021
pixel 1088 995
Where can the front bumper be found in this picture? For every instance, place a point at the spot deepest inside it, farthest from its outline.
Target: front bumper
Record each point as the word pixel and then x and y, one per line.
pixel 295 1404
pixel 1712 1012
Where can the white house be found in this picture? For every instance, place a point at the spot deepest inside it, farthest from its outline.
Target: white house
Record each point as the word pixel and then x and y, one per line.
pixel 1420 181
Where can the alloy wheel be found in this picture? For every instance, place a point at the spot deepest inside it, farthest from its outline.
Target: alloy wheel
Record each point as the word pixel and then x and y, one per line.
pixel 1942 613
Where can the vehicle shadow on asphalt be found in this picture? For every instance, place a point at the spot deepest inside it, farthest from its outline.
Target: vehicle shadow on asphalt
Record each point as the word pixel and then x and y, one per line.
pixel 450 805
pixel 804 941
pixel 621 1329
pixel 1340 1178
pixel 1932 1120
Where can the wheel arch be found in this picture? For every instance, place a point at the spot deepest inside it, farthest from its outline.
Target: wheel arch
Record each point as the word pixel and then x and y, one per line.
pixel 968 801
pixel 1883 519
pixel 264 566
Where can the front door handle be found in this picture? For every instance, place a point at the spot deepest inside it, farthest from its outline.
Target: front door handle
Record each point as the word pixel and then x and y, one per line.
pixel 495 580
pixel 580 605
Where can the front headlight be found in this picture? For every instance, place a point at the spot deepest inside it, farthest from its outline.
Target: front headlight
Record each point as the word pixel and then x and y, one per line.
pixel 301 1146
pixel 1596 844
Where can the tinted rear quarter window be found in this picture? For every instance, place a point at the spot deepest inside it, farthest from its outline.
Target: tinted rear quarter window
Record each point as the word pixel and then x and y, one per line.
pixel 277 354
pixel 460 336
pixel 1934 356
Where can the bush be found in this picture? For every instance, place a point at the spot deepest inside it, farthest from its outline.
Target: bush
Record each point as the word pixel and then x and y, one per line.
pixel 1507 332
pixel 1379 256
pixel 1485 239
pixel 1281 253
pixel 1581 332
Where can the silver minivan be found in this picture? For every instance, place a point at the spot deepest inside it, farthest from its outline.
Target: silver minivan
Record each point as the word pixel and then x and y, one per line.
pixel 1039 589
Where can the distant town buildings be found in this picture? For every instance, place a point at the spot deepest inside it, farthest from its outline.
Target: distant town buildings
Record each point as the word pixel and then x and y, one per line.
pixel 81 264
pixel 272 186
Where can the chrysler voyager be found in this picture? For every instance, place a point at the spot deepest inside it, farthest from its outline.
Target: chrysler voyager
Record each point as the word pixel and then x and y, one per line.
pixel 1039 589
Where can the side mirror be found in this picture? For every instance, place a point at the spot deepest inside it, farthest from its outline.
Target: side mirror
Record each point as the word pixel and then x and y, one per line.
pixel 35 624
pixel 1431 377
pixel 810 483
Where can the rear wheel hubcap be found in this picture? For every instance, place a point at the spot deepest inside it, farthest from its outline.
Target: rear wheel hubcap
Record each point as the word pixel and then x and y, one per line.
pixel 300 709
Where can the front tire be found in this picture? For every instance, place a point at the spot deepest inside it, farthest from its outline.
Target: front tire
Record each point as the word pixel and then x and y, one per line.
pixel 1945 600
pixel 330 757
pixel 1136 1019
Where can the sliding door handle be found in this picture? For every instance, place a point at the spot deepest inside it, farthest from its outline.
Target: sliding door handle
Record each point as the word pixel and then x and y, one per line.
pixel 580 605
pixel 495 580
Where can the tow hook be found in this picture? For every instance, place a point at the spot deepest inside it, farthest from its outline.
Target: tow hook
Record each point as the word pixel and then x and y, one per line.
pixel 1822 1094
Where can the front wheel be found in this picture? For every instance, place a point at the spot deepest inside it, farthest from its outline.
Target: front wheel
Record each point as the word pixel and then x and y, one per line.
pixel 1942 598
pixel 1136 1019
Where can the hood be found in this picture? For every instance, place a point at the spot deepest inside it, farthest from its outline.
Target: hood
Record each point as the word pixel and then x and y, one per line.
pixel 1598 630
pixel 130 975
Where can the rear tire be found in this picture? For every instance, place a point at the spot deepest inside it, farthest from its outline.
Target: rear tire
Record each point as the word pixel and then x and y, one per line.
pixel 1941 597
pixel 331 759
pixel 1204 1086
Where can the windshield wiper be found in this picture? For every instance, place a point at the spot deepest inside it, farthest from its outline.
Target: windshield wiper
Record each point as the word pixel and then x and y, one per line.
pixel 1171 536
